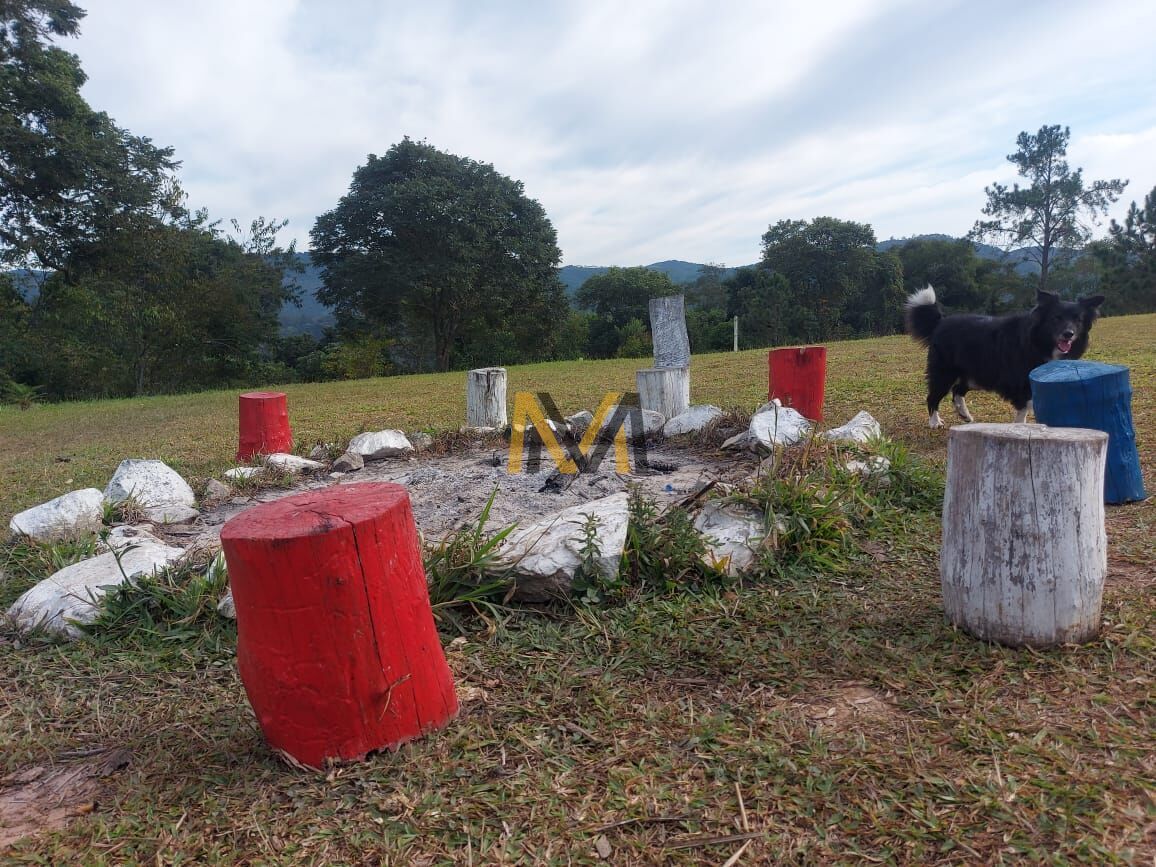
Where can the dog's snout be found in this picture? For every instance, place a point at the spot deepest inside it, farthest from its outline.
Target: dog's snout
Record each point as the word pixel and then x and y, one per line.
pixel 1067 334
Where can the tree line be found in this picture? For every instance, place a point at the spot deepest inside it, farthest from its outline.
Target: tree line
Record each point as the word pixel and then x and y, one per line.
pixel 434 261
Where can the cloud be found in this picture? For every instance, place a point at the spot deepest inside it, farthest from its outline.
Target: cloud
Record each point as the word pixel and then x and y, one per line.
pixel 647 130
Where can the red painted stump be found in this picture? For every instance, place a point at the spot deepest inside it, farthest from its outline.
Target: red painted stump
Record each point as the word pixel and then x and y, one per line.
pixel 336 644
pixel 263 424
pixel 797 377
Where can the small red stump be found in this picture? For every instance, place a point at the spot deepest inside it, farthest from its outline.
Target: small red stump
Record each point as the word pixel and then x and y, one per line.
pixel 336 643
pixel 797 377
pixel 263 424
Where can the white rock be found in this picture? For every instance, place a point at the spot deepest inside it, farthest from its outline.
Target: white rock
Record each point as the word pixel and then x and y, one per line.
pixel 158 489
pixel 125 535
pixel 70 515
pixel 225 607
pixel 861 429
pixel 545 556
pixel 242 473
pixel 421 440
pixel 291 463
pixel 349 462
pixel 692 421
pixel 873 466
pixel 776 425
pixel 579 423
pixel 73 594
pixel 652 423
pixel 733 533
pixel 381 444
pixel 739 441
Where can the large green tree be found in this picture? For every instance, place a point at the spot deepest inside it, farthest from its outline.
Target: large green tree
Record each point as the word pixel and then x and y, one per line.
pixel 949 264
pixel 835 273
pixel 69 176
pixel 441 251
pixel 1128 258
pixel 620 302
pixel 1052 216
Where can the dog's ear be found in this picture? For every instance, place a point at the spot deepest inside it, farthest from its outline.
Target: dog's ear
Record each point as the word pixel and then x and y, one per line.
pixel 1091 302
pixel 1044 297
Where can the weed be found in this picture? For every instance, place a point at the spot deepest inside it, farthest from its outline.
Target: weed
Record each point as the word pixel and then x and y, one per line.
pixel 25 562
pixel 663 551
pixel 462 569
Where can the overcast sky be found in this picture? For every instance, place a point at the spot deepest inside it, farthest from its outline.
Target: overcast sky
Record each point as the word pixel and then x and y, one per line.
pixel 647 130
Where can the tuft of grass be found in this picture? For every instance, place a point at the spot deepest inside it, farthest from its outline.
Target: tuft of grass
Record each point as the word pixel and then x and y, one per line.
pixel 663 552
pixel 462 570
pixel 25 562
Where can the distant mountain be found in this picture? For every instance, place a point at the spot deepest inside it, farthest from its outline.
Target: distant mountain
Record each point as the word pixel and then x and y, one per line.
pixel 312 317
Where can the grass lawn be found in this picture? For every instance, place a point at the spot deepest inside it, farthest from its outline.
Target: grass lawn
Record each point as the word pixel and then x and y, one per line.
pixel 820 717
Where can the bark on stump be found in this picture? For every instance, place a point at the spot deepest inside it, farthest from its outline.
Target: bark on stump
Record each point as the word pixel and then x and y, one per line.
pixel 1024 551
pixel 668 331
pixel 486 398
pixel 336 643
pixel 665 390
pixel 263 424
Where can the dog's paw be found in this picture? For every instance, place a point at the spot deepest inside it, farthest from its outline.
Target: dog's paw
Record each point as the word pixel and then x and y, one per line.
pixel 935 421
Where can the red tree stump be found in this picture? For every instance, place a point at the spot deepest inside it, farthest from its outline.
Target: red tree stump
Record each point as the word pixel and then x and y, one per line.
pixel 797 377
pixel 263 424
pixel 336 643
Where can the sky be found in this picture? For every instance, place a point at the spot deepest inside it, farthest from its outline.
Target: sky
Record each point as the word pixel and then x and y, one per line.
pixel 647 130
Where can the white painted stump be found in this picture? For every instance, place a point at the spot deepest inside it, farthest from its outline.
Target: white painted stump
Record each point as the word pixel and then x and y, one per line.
pixel 486 398
pixel 1024 550
pixel 668 331
pixel 664 390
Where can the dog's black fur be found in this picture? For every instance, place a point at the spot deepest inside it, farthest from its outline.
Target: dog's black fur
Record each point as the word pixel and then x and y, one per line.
pixel 995 353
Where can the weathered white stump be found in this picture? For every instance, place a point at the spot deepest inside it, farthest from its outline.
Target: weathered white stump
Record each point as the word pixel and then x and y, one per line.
pixel 1024 550
pixel 486 398
pixel 668 331
pixel 665 390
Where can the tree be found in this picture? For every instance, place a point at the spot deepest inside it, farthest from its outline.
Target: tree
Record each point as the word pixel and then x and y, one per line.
pixel 69 176
pixel 161 307
pixel 433 249
pixel 828 264
pixel 617 298
pixel 1052 216
pixel 950 265
pixel 1128 257
pixel 763 302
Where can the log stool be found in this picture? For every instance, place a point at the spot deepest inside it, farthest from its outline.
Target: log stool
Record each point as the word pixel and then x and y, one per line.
pixel 665 390
pixel 336 643
pixel 486 398
pixel 1098 396
pixel 797 377
pixel 1024 551
pixel 263 424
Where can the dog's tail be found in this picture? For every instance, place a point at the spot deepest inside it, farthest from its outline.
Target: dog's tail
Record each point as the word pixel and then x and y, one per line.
pixel 922 314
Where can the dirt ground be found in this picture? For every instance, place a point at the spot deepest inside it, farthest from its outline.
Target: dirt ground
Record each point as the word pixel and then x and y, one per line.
pixel 450 491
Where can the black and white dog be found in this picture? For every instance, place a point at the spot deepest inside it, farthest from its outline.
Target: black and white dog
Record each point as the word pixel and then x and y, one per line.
pixel 995 353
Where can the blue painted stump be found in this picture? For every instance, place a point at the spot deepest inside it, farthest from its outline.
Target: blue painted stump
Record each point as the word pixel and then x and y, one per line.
pixel 1099 396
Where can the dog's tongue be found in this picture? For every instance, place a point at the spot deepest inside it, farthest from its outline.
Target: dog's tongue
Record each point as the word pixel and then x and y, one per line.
pixel 1064 345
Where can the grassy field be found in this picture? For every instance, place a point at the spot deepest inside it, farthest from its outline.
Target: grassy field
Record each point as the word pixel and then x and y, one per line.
pixel 826 717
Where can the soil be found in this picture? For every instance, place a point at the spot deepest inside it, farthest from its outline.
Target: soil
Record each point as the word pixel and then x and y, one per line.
pixel 449 492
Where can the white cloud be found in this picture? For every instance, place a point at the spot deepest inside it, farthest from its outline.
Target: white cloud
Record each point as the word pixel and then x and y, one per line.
pixel 647 130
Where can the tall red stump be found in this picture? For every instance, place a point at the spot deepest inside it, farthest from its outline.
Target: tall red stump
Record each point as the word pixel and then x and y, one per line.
pixel 263 424
pixel 798 376
pixel 336 643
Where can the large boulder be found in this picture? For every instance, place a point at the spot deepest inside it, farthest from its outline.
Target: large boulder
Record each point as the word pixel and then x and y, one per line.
pixel 544 557
pixel 73 594
pixel 692 421
pixel 777 425
pixel 68 516
pixel 381 444
pixel 861 429
pixel 164 497
pixel 733 533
